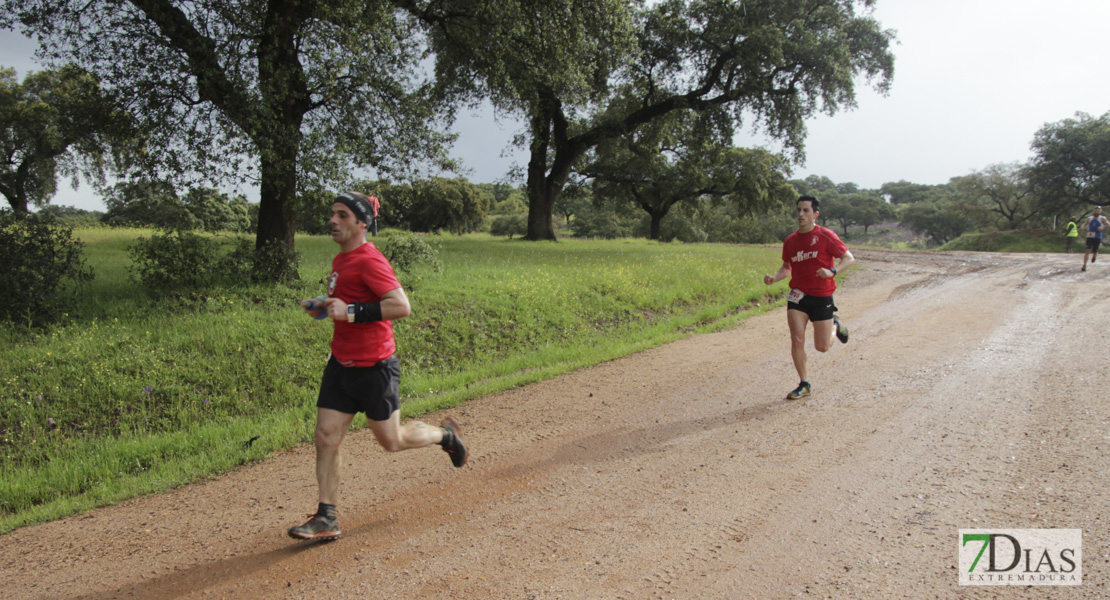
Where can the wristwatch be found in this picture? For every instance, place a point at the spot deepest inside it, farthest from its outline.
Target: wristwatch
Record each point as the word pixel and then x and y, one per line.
pixel 351 312
pixel 833 269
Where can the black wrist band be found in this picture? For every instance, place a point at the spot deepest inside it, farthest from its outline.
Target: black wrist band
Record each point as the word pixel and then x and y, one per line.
pixel 366 312
pixel 833 269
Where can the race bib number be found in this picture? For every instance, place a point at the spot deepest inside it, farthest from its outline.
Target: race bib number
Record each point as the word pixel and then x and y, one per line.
pixel 795 296
pixel 1092 234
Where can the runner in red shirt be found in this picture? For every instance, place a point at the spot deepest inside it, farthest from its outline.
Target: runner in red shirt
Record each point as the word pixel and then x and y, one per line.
pixel 363 373
pixel 376 205
pixel 808 255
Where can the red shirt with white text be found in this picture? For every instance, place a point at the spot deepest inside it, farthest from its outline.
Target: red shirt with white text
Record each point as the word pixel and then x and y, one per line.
pixel 806 253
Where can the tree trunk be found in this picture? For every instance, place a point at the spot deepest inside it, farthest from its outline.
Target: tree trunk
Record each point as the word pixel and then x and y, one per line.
pixel 16 191
pixel 285 100
pixel 18 204
pixel 277 192
pixel 656 220
pixel 541 199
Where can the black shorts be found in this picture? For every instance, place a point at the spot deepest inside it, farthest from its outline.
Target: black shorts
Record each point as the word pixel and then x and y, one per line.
pixel 372 390
pixel 819 308
pixel 1093 243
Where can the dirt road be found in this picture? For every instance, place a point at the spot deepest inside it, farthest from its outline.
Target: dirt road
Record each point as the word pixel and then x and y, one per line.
pixel 971 395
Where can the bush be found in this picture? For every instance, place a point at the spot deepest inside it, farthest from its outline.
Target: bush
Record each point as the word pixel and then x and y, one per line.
pixel 181 260
pixel 509 225
pixel 42 269
pixel 407 252
pixel 174 260
pixel 431 205
pixel 272 263
pixel 601 224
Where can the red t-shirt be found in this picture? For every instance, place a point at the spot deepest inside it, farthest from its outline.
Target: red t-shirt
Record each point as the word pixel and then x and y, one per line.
pixel 362 275
pixel 375 204
pixel 807 252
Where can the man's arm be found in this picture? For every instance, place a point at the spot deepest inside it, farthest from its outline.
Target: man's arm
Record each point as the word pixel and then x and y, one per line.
pixel 846 260
pixel 783 273
pixel 394 305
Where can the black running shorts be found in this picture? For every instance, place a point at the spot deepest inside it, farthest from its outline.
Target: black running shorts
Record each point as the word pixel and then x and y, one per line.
pixel 372 390
pixel 819 308
pixel 1093 244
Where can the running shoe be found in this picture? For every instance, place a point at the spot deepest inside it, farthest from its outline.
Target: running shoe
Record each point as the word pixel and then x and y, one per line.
pixel 1084 268
pixel 801 391
pixel 318 527
pixel 841 330
pixel 452 443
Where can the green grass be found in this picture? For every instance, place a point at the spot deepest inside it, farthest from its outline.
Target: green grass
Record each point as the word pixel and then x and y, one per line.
pixel 137 394
pixel 1020 240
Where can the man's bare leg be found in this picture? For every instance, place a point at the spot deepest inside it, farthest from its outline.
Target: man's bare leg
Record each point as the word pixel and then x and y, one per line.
pixel 395 437
pixel 331 427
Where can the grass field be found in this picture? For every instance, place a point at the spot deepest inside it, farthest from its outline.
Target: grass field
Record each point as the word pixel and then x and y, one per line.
pixel 135 394
pixel 1020 240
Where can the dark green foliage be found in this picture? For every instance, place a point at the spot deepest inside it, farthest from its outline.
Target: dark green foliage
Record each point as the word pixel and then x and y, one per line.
pixel 145 203
pixel 215 211
pixel 41 269
pixel 57 122
pixel 431 205
pixel 612 67
pixel 705 221
pixel 313 209
pixel 938 220
pixel 273 262
pixel 854 208
pixel 174 260
pixel 186 261
pixel 509 225
pixel 904 192
pixel 73 216
pixel 1070 169
pixel 602 223
pixel 679 158
pixel 409 254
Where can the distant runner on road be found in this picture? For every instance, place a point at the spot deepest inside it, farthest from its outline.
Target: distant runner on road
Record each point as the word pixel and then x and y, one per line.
pixel 1072 233
pixel 807 258
pixel 1094 225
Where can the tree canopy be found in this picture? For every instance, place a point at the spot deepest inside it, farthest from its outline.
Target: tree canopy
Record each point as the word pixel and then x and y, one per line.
pixel 56 122
pixel 1070 169
pixel 679 158
pixel 776 62
pixel 997 196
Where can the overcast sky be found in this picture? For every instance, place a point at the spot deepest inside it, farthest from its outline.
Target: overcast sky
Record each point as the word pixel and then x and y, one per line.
pixel 973 81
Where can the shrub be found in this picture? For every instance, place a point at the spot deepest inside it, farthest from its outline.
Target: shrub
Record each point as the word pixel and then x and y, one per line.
pixel 182 260
pixel 509 225
pixel 272 263
pixel 406 252
pixel 174 260
pixel 41 269
pixel 431 205
pixel 602 224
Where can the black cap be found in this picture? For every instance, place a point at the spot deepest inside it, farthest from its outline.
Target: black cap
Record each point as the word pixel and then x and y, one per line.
pixel 359 205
